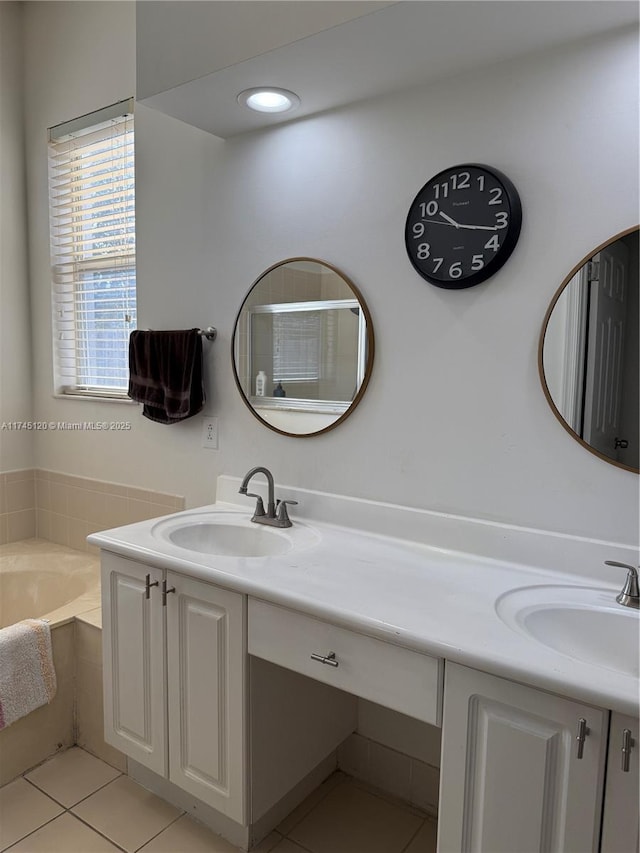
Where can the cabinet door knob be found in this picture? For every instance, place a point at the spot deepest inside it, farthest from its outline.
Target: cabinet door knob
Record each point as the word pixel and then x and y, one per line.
pixel 165 592
pixel 329 659
pixel 627 744
pixel 148 585
pixel 583 731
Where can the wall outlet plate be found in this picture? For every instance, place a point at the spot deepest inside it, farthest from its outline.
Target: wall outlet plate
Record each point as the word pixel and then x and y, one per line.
pixel 210 432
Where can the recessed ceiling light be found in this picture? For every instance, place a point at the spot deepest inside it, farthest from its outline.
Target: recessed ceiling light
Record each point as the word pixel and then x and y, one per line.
pixel 269 100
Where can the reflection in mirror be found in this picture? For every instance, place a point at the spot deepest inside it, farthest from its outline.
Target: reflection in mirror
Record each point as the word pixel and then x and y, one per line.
pixel 302 347
pixel 588 354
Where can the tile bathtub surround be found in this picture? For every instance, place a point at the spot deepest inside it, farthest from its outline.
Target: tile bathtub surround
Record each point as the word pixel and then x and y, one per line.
pixel 75 716
pixel 69 508
pixel 65 508
pixel 17 505
pixel 78 804
pixel 89 707
pixel 49 728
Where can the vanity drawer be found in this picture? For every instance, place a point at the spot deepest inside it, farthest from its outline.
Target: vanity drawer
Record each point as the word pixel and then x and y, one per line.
pixel 389 675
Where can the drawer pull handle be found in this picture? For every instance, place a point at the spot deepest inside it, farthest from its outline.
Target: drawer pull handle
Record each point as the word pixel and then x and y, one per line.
pixel 583 731
pixel 330 659
pixel 627 743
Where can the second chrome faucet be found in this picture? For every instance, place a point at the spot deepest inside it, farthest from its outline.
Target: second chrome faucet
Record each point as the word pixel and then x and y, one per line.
pixel 276 514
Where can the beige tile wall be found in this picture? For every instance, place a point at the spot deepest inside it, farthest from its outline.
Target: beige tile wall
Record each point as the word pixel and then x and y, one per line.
pixel 89 712
pixel 17 506
pixel 69 508
pixel 50 728
pixel 65 509
pixel 398 774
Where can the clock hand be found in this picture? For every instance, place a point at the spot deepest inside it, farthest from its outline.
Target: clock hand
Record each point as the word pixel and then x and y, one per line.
pixel 479 227
pixel 460 225
pixel 437 222
pixel 448 218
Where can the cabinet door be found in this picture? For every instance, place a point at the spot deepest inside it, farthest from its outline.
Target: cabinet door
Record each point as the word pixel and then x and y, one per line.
pixel 133 657
pixel 511 780
pixel 620 823
pixel 206 682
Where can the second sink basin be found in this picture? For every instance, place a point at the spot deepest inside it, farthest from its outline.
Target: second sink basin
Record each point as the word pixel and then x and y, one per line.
pixel 584 623
pixel 229 534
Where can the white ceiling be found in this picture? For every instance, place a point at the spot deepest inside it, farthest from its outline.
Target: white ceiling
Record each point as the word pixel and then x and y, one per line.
pixel 392 48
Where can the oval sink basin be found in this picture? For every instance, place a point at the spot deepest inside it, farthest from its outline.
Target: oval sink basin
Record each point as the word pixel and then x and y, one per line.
pixel 228 539
pixel 231 535
pixel 583 623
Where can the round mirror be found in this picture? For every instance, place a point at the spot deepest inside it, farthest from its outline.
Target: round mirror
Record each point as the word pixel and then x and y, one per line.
pixel 588 353
pixel 302 347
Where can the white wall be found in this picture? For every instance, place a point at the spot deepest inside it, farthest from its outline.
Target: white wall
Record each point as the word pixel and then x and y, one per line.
pixel 454 418
pixel 78 57
pixel 16 446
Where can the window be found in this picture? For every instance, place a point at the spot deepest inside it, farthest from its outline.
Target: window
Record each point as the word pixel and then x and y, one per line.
pixel 296 346
pixel 92 225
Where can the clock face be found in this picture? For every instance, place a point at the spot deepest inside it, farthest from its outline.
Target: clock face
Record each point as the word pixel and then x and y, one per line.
pixel 463 225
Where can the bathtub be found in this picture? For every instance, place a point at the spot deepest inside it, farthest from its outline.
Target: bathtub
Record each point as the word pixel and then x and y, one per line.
pixel 40 579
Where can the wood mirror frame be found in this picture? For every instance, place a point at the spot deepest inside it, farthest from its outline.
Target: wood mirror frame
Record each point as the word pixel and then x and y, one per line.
pixel 541 363
pixel 247 369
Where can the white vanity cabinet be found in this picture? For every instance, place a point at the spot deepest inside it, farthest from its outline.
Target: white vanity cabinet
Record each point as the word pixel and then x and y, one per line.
pixel 390 675
pixel 520 771
pixel 174 679
pixel 621 815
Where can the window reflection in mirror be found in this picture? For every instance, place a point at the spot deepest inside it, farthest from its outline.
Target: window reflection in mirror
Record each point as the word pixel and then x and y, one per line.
pixel 303 347
pixel 589 348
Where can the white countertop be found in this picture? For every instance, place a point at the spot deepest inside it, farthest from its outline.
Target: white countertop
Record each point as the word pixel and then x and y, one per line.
pixel 432 600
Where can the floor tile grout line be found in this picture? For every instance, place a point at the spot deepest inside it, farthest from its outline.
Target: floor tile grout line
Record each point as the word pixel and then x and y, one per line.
pixel 366 788
pixel 298 844
pixel 391 799
pixel 313 807
pixel 81 800
pixel 345 780
pixel 67 810
pixel 280 838
pixel 98 832
pixel 39 790
pixel 31 831
pixel 182 814
pixel 410 841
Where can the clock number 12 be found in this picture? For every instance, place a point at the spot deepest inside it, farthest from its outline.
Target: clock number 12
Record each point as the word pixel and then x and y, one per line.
pixel 459 181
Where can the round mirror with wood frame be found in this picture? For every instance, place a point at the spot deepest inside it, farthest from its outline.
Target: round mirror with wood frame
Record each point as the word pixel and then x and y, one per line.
pixel 588 352
pixel 302 347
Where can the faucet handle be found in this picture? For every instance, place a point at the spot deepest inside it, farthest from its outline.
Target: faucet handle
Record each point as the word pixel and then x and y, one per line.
pixel 630 595
pixel 283 514
pixel 632 569
pixel 259 510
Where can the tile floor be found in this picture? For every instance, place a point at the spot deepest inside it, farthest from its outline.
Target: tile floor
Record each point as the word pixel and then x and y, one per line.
pixel 75 803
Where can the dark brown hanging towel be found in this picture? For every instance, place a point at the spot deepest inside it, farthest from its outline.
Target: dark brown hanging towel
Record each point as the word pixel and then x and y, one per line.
pixel 165 373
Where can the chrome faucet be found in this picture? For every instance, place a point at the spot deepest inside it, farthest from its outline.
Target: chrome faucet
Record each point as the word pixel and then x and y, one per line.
pixel 630 595
pixel 276 514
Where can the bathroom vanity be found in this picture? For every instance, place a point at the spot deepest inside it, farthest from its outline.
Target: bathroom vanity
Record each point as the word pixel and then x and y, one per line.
pixel 217 664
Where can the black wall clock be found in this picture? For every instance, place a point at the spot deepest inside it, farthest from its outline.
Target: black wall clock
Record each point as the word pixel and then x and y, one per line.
pixel 463 225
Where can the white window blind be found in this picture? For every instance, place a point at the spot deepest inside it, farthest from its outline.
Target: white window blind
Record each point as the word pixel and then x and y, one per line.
pixel 92 225
pixel 297 346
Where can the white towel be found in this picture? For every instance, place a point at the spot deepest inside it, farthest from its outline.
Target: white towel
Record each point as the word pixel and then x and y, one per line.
pixel 27 675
